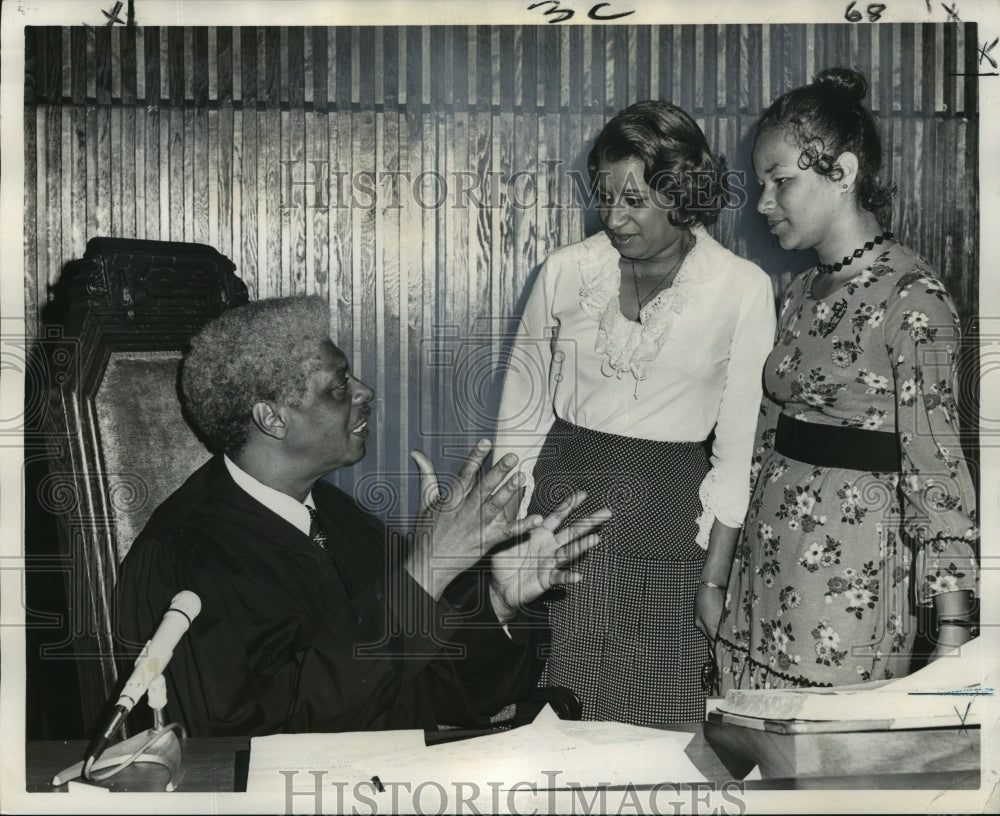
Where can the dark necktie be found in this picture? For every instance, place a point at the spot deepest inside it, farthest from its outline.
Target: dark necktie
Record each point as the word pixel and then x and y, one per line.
pixel 316 531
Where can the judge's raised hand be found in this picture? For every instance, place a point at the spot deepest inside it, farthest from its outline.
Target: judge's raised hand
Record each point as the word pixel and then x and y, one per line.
pixel 456 528
pixel 542 558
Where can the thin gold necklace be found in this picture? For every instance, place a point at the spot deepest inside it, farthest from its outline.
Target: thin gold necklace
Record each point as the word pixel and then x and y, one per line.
pixel 656 289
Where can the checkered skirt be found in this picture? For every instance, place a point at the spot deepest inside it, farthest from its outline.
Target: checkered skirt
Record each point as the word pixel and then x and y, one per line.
pixel 623 638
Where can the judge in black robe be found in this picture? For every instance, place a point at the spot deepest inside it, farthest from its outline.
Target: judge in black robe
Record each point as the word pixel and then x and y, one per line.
pixel 362 633
pixel 292 638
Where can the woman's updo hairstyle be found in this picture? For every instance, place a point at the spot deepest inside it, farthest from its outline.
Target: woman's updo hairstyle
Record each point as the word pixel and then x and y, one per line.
pixel 827 119
pixel 675 157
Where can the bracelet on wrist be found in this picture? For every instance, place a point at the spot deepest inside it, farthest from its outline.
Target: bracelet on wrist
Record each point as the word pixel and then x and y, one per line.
pixel 711 585
pixel 960 623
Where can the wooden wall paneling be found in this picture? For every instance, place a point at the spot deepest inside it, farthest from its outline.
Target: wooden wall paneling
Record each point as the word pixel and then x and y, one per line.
pixel 172 135
pixel 366 303
pixel 686 68
pixel 297 216
pixel 957 221
pixel 402 292
pixel 112 202
pixel 426 245
pixel 128 72
pixel 222 151
pixel 205 200
pixel 317 169
pixel 247 240
pixel 915 173
pixel 56 136
pixel 456 281
pixel 180 133
pixel 970 68
pixel 729 70
pixel 481 223
pixel 776 61
pixel 526 254
pixel 971 271
pixel 378 320
pixel 968 214
pixel 150 119
pixel 902 151
pixel 99 210
pixel 928 192
pixel 273 278
pixel 213 175
pixel 948 166
pixel 411 270
pixel 960 66
pixel 714 95
pixel 617 42
pixel 191 141
pixel 341 280
pixel 548 154
pixel 392 426
pixel 384 279
pixel 576 139
pixel 74 179
pixel 35 90
pixel 33 295
pixel 795 62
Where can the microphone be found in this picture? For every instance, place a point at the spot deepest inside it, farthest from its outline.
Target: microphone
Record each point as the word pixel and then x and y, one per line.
pixel 153 659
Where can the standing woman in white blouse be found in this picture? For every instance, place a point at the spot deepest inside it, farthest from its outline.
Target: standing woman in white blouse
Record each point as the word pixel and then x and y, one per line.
pixel 635 345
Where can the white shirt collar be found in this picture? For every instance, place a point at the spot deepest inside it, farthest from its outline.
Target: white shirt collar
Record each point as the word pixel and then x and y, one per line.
pixel 294 512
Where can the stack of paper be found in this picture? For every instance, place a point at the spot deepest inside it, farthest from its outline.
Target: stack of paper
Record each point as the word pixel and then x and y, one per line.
pixel 949 691
pixel 350 769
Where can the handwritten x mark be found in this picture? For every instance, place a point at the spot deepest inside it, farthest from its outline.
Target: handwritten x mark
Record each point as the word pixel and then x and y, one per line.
pixel 962 717
pixel 112 16
pixel 984 53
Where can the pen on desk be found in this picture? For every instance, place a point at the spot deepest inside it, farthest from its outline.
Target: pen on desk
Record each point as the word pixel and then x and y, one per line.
pixel 378 784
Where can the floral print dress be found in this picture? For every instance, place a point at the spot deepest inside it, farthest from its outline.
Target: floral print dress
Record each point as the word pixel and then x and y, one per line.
pixel 820 589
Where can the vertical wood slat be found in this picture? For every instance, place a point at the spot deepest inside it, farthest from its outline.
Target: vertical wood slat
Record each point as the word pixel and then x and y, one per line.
pixel 172 133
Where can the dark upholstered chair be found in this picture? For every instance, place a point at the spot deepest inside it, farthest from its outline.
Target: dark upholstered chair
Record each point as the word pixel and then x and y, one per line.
pixel 116 328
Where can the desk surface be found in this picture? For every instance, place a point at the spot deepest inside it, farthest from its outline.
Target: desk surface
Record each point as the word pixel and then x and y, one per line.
pixel 220 765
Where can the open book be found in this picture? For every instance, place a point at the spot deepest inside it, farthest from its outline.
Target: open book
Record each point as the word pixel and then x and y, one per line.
pixel 950 691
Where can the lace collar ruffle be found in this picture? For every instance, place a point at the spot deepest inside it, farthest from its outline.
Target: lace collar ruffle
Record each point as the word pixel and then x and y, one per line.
pixel 628 346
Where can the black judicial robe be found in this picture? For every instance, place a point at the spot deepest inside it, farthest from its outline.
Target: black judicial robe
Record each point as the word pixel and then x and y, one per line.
pixel 292 639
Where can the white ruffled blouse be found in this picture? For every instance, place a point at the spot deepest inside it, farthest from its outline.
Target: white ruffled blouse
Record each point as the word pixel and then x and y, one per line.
pixel 692 363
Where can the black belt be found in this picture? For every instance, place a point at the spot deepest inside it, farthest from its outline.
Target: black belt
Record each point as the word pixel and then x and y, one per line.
pixel 837 447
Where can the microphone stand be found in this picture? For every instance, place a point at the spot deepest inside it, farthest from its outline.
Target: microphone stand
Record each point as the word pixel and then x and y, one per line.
pixel 159 744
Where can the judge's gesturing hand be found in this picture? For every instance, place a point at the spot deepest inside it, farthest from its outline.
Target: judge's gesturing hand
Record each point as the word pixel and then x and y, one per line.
pixel 453 532
pixel 455 529
pixel 539 560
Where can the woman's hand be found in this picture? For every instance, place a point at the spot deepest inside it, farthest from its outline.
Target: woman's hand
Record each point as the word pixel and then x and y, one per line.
pixel 709 604
pixel 711 600
pixel 540 560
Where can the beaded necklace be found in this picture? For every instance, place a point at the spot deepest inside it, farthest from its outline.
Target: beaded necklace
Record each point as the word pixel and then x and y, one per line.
pixel 828 269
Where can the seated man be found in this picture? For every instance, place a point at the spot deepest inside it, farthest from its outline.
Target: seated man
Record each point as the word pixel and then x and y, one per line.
pixel 314 616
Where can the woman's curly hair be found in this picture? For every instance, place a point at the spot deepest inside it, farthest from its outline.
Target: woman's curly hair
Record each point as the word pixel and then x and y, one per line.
pixel 675 156
pixel 827 118
pixel 264 350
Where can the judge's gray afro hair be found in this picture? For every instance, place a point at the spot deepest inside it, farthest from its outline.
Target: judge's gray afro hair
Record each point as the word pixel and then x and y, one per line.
pixel 261 351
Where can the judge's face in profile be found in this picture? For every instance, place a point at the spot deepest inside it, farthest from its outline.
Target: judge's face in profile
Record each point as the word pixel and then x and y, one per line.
pixel 329 428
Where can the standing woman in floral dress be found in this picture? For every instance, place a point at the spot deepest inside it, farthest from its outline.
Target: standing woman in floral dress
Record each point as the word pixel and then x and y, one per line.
pixel 859 477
